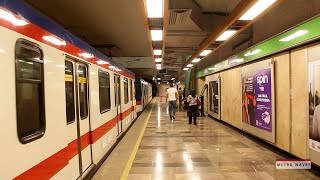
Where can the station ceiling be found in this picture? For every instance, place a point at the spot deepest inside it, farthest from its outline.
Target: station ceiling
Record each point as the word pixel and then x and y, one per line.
pixel 120 28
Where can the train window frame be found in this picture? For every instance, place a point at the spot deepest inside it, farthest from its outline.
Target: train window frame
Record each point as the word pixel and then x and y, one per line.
pixel 126 90
pixel 87 91
pixel 109 104
pixel 23 136
pixel 73 93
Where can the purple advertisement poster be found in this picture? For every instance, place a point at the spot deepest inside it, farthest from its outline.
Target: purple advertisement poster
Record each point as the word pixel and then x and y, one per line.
pixel 257 99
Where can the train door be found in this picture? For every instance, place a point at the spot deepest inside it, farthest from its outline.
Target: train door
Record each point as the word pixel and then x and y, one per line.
pixel 118 102
pixel 77 102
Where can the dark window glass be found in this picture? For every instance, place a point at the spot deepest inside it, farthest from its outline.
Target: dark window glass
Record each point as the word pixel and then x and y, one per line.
pixel 104 91
pixel 126 90
pixel 131 90
pixel 83 88
pixel 29 91
pixel 69 83
pixel 117 90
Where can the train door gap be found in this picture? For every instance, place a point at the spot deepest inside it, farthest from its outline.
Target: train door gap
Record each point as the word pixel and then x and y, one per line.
pixel 82 117
pixel 117 90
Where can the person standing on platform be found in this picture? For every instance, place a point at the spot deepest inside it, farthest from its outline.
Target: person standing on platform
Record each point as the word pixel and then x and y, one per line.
pixel 180 97
pixel 193 107
pixel 172 96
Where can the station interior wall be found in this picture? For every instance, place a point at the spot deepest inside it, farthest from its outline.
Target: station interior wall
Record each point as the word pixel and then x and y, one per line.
pixel 291 97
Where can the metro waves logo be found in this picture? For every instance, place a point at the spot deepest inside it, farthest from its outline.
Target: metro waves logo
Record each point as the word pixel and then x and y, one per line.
pixel 293 164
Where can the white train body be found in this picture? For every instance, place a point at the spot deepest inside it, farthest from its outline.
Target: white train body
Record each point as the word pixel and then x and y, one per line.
pixel 35 69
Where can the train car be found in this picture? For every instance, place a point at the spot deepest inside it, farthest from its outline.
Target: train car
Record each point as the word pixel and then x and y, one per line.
pixel 64 104
pixel 143 94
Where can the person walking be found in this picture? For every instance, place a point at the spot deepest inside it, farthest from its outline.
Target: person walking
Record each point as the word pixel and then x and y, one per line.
pixel 193 106
pixel 180 92
pixel 172 96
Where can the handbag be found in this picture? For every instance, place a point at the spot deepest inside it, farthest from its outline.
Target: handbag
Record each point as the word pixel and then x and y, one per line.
pixel 198 102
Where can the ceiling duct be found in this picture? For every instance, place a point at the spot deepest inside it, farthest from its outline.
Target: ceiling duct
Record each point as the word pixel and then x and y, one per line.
pixel 179 16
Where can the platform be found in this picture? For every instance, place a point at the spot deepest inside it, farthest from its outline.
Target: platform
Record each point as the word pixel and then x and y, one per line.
pixel 178 150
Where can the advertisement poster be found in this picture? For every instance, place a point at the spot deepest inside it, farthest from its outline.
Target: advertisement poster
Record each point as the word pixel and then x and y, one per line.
pixel 214 96
pixel 314 105
pixel 257 99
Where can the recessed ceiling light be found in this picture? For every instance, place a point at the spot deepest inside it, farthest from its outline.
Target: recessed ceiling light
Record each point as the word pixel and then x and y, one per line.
pixel 226 35
pixel 189 65
pixel 185 69
pixel 158 60
pixel 196 60
pixel 154 8
pixel 157 52
pixel 158 65
pixel 156 35
pixel 257 9
pixel 205 52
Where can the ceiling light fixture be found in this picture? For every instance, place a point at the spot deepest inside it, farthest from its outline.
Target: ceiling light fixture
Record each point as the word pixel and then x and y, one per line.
pixel 294 35
pixel 158 65
pixel 158 60
pixel 257 9
pixel 157 52
pixel 189 65
pixel 185 69
pixel 154 8
pixel 196 60
pixel 159 78
pixel 156 35
pixel 205 52
pixel 226 35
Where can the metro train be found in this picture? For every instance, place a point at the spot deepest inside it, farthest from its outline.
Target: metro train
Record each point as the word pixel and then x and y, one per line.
pixel 65 104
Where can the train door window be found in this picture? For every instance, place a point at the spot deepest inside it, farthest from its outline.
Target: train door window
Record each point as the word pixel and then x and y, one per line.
pixel 126 90
pixel 131 90
pixel 29 91
pixel 83 88
pixel 69 83
pixel 104 91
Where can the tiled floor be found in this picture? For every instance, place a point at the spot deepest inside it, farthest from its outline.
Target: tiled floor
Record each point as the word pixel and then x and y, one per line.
pixel 210 150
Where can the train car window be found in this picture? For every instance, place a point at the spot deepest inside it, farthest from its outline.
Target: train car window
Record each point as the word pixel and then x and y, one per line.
pixel 29 91
pixel 83 88
pixel 126 90
pixel 131 90
pixel 104 91
pixel 69 85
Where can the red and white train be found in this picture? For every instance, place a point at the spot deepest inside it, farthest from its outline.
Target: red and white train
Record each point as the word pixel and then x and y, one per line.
pixel 63 104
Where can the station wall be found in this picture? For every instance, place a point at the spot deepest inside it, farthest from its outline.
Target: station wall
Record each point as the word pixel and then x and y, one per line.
pixel 291 97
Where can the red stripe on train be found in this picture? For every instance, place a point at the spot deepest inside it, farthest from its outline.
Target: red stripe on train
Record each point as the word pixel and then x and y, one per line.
pixel 53 164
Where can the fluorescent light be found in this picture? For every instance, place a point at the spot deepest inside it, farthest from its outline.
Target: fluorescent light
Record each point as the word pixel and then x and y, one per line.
pixel 211 69
pixel 112 67
pixel 102 62
pixel 205 52
pixel 249 53
pixel 185 69
pixel 189 65
pixel 154 8
pixel 54 40
pixel 196 60
pixel 257 9
pixel 156 35
pixel 157 52
pixel 158 60
pixel 158 65
pixel 159 78
pixel 12 18
pixel 226 35
pixel 86 55
pixel 173 78
pixel 294 35
pixel 158 82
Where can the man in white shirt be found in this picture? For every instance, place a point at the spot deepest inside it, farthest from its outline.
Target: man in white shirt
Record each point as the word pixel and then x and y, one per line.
pixel 172 96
